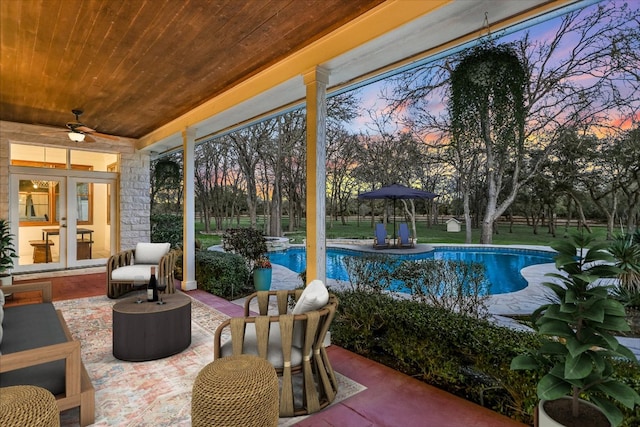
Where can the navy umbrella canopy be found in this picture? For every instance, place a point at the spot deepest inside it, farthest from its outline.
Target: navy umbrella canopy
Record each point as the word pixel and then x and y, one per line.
pixel 395 192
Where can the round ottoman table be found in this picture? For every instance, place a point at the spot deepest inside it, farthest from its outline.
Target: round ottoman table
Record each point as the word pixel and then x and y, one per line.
pixel 236 391
pixel 28 406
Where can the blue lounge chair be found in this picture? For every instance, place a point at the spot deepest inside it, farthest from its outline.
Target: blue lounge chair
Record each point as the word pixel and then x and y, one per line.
pixel 404 237
pixel 380 240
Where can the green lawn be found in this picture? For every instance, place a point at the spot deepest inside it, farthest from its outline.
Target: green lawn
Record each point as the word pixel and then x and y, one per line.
pixel 522 234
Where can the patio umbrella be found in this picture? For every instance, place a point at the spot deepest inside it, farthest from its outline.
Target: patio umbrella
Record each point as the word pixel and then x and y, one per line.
pixel 395 192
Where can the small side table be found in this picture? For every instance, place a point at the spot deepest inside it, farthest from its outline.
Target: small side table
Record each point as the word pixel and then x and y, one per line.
pixel 236 391
pixel 41 250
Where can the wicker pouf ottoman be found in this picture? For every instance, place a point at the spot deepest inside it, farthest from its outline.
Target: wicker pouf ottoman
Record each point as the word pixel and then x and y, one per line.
pixel 236 391
pixel 26 406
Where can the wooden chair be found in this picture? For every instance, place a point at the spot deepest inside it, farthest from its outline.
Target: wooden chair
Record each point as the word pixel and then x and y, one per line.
pixel 292 343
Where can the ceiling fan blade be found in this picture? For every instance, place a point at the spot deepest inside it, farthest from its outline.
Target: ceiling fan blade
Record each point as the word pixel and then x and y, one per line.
pixel 88 138
pixel 106 136
pixel 83 128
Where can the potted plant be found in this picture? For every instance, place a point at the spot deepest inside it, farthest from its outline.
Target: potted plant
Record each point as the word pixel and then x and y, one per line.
pixel 580 326
pixel 262 274
pixel 252 246
pixel 7 252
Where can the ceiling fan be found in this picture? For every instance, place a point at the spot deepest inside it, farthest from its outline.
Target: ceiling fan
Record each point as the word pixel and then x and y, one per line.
pixel 80 132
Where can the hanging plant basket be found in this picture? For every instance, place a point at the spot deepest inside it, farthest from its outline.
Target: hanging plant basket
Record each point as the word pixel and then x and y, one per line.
pixel 489 75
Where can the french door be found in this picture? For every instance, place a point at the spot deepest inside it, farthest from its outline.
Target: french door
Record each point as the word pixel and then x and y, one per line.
pixel 63 220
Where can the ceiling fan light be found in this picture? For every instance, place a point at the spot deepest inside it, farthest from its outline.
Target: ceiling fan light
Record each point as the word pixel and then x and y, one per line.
pixel 76 136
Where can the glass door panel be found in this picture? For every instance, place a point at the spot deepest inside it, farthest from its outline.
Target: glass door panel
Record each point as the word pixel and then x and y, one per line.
pixel 89 221
pixel 37 213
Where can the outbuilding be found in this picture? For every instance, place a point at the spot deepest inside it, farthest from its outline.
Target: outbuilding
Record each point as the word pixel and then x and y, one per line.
pixel 453 225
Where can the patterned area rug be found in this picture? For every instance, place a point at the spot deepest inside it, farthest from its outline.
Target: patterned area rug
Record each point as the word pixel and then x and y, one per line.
pixel 154 393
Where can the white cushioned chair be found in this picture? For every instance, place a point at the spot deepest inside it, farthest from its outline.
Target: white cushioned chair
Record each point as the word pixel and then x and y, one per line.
pixel 292 341
pixel 133 267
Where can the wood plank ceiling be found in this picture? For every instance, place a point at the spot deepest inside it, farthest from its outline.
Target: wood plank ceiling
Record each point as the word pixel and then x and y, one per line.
pixel 134 65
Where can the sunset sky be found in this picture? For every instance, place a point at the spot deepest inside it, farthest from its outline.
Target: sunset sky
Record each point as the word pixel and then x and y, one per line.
pixel 543 31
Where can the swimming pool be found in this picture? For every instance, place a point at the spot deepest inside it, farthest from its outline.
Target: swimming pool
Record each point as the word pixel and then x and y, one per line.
pixel 502 265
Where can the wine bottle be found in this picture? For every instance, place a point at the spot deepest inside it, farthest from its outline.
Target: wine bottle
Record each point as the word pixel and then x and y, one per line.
pixel 152 288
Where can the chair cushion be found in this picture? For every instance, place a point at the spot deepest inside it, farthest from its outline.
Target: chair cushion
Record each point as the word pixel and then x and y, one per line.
pixel 274 349
pixel 32 326
pixel 150 253
pixel 1 307
pixel 133 273
pixel 314 297
pixel 1 313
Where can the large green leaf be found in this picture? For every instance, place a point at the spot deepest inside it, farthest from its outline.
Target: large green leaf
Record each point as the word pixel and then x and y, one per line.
pixel 586 277
pixel 598 292
pixel 554 327
pixel 579 367
pixel 524 361
pixel 614 308
pixel 597 253
pixel 576 347
pixel 614 323
pixel 604 271
pixel 564 248
pixel 554 312
pixel 598 338
pixel 551 387
pixel 557 289
pixel 620 392
pixel 594 311
pixel 611 411
pixel 569 308
pixel 611 342
pixel 571 296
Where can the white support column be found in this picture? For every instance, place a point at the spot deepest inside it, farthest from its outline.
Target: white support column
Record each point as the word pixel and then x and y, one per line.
pixel 188 228
pixel 316 82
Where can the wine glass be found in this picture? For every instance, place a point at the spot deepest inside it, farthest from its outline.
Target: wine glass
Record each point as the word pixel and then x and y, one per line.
pixel 162 286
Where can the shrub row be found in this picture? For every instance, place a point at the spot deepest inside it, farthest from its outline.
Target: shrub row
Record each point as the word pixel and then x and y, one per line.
pixel 466 356
pixel 167 228
pixel 222 274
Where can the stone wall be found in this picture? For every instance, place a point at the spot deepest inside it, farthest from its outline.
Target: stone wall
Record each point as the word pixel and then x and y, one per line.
pixel 135 223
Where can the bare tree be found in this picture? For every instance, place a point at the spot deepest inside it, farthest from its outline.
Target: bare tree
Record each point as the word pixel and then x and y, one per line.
pixel 578 77
pixel 248 143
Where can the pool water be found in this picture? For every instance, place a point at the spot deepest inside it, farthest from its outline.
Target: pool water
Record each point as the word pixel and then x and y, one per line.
pixel 502 265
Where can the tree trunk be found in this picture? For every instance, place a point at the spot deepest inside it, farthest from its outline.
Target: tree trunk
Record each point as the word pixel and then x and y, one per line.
pixel 467 217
